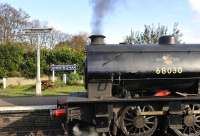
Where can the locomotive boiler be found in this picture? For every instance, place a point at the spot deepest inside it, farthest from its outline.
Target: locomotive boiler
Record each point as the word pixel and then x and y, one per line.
pixel 141 70
pixel 134 90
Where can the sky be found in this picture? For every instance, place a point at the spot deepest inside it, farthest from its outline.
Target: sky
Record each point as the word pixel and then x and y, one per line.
pixel 74 16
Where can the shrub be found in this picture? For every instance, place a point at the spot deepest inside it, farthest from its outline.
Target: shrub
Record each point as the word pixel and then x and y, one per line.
pixel 11 57
pixel 19 60
pixel 28 67
pixel 73 78
pixel 3 72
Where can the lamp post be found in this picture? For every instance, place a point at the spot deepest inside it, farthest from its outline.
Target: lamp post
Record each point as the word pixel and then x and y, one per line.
pixel 37 32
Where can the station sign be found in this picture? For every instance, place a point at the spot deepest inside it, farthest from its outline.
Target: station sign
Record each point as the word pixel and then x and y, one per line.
pixel 63 67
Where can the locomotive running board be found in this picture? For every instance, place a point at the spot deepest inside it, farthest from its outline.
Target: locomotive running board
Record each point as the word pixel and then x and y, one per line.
pixel 84 100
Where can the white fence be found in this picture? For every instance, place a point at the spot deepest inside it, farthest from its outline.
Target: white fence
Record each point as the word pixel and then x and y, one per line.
pixel 3 81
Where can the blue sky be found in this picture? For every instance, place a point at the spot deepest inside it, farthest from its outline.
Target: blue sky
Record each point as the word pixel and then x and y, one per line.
pixel 74 16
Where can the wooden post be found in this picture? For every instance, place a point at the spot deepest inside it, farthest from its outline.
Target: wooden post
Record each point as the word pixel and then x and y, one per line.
pixel 75 69
pixel 53 75
pixel 65 79
pixel 4 83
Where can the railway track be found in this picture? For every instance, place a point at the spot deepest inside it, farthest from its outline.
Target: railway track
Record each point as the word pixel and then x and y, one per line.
pixel 28 116
pixel 31 121
pixel 28 121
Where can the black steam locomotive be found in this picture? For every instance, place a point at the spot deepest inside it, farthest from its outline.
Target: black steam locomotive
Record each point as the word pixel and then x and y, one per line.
pixel 138 89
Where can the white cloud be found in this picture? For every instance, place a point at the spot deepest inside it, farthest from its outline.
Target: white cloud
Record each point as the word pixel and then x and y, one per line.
pixel 191 38
pixel 190 35
pixel 195 4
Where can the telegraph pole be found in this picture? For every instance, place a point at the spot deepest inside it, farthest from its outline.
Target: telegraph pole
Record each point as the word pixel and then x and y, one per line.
pixel 37 32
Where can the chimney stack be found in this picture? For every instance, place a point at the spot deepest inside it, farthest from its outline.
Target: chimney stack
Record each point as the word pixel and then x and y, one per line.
pixel 97 39
pixel 167 39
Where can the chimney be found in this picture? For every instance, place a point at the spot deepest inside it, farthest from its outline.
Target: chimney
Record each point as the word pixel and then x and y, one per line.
pixel 167 39
pixel 97 39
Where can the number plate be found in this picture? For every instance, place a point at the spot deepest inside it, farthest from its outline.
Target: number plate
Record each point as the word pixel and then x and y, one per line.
pixel 168 70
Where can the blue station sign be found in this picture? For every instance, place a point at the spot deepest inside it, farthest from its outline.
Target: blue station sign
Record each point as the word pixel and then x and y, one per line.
pixel 63 67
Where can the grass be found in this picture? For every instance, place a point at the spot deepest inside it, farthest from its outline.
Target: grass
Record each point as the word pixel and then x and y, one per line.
pixel 29 90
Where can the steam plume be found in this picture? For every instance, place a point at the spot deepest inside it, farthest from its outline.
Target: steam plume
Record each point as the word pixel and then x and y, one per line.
pixel 100 9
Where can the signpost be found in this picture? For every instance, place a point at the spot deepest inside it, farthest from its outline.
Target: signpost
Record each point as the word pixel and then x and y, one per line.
pixel 54 68
pixel 37 32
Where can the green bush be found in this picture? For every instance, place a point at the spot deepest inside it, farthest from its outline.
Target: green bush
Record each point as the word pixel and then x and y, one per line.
pixel 20 60
pixel 3 72
pixel 73 78
pixel 11 57
pixel 28 67
pixel 64 56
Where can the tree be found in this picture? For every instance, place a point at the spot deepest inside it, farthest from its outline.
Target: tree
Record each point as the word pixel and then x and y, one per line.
pixel 79 41
pixel 11 22
pixel 151 34
pixel 57 37
pixel 47 40
pixel 76 42
pixel 176 33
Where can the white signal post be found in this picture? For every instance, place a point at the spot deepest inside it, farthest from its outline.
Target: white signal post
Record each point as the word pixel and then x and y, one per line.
pixel 37 31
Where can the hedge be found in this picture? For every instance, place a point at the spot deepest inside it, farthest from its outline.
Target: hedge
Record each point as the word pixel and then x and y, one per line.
pixel 20 60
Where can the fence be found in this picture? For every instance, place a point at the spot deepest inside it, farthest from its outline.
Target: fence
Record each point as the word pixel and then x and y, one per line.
pixel 3 81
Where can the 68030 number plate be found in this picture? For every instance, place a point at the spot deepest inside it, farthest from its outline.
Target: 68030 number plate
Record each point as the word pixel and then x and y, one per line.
pixel 168 70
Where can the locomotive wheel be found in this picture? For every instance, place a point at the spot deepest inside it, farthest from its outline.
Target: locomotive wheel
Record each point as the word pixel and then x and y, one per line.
pixel 191 123
pixel 137 125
